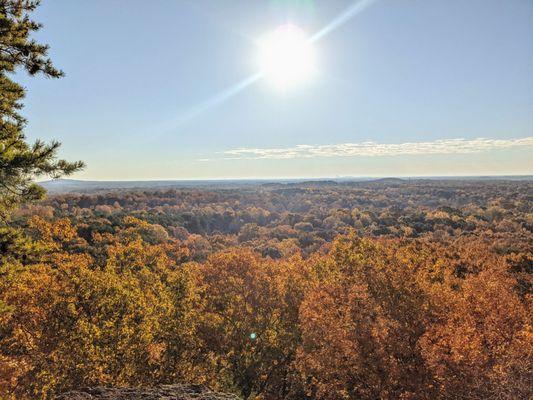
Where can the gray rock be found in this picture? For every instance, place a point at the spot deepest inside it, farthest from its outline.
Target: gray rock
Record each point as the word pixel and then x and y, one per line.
pixel 163 392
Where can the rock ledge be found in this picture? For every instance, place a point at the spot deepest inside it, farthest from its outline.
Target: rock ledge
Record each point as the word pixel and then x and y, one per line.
pixel 163 392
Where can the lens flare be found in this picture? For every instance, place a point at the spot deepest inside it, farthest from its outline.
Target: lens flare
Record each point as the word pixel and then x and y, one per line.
pixel 286 57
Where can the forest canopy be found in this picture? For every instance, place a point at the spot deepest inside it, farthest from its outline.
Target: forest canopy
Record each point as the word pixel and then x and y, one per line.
pixel 417 290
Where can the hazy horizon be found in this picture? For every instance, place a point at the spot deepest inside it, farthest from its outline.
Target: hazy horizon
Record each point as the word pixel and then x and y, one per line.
pixel 292 178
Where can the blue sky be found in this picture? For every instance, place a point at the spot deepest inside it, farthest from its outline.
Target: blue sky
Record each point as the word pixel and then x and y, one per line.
pixel 405 87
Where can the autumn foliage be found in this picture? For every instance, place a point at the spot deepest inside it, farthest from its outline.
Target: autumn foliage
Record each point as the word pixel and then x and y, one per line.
pixel 93 299
pixel 386 289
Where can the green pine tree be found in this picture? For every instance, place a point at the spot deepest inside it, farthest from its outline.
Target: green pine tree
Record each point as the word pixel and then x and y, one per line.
pixel 21 162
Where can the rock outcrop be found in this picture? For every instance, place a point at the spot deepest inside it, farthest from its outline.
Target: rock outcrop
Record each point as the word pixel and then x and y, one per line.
pixel 163 392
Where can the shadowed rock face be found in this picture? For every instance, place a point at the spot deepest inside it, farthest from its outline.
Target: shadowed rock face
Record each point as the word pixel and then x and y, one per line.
pixel 163 392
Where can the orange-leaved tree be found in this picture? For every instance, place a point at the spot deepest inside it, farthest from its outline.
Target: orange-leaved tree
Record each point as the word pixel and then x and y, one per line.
pixel 250 330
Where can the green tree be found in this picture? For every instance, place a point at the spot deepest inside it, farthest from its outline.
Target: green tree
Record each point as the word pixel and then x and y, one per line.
pixel 20 161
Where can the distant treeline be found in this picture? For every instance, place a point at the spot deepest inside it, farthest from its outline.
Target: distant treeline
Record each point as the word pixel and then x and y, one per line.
pixel 280 220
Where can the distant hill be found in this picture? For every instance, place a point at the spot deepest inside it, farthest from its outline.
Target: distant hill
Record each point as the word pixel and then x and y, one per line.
pixel 81 186
pixel 390 180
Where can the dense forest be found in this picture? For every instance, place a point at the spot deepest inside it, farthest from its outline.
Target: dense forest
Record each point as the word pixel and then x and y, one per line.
pixel 320 290
pixel 387 289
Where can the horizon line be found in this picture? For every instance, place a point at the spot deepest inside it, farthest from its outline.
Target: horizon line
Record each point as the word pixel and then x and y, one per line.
pixel 343 177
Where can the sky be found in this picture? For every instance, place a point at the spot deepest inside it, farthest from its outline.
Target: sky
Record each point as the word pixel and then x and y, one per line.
pixel 168 90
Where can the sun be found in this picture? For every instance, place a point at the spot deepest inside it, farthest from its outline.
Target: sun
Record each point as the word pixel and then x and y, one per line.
pixel 286 56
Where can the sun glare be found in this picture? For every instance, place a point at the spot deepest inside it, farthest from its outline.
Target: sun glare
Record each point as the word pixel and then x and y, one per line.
pixel 286 57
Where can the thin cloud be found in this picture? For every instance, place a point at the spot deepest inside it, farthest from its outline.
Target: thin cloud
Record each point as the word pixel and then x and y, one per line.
pixel 372 149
